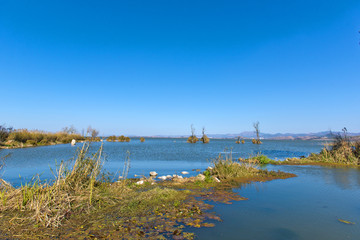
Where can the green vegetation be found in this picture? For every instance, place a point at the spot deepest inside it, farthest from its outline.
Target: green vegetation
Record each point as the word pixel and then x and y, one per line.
pixel 342 151
pixel 26 138
pixel 227 169
pixel 83 203
pixel 259 160
pixel 81 200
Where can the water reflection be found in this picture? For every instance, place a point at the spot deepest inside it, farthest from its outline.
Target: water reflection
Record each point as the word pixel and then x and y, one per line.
pixel 344 178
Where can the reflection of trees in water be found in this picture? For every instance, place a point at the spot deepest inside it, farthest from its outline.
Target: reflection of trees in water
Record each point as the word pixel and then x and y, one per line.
pixel 344 178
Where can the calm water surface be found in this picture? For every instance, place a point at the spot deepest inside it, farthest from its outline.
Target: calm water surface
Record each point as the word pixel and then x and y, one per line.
pixel 305 207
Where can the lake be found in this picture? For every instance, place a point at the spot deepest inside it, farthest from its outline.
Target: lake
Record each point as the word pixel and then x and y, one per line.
pixel 305 207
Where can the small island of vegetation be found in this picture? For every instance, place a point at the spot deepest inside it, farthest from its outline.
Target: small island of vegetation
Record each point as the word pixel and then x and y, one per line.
pixel 192 138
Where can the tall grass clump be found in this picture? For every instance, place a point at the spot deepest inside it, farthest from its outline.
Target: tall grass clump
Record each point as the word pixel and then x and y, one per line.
pixel 78 188
pixel 226 168
pixel 36 137
pixel 342 151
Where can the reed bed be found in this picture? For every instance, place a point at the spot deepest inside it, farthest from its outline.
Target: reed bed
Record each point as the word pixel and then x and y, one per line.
pixel 226 168
pixel 24 136
pixel 78 187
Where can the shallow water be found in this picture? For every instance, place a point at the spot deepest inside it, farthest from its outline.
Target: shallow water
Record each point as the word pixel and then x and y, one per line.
pixel 166 156
pixel 305 207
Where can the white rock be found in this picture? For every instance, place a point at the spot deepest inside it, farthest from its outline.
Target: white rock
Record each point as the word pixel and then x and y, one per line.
pixel 139 182
pixel 168 176
pixel 184 172
pixel 153 174
pixel 216 179
pixel 162 177
pixel 73 142
pixel 200 177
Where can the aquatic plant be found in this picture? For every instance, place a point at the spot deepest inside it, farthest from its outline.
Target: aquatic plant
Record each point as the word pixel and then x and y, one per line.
pixel 342 151
pixel 192 138
pixel 111 138
pixel 225 167
pixel 259 159
pixel 257 132
pixel 239 140
pixel 35 137
pixel 204 138
pixel 81 202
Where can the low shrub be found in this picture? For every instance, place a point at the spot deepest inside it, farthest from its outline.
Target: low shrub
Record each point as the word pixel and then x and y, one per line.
pixel 192 139
pixel 111 138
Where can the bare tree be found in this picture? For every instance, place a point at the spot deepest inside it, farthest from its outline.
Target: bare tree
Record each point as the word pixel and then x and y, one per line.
pixel 204 138
pixel 192 130
pixel 4 132
pixel 92 132
pixel 70 130
pixel 257 131
pixel 192 138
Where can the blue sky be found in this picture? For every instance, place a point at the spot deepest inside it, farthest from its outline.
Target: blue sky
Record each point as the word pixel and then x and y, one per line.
pixel 156 67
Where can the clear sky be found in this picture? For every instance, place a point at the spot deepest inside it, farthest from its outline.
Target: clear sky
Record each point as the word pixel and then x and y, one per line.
pixel 156 67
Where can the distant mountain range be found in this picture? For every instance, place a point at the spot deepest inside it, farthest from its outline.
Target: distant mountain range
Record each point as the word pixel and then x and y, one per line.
pixel 275 136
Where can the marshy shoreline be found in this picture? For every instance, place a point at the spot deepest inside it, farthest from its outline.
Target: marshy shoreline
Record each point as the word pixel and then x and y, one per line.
pixel 82 201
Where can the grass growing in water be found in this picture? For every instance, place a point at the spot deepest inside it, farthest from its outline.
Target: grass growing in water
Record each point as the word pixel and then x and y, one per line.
pixel 82 203
pixel 24 137
pixel 342 151
pixel 226 168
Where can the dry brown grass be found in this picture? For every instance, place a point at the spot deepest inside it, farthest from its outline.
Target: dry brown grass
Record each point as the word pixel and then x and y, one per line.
pixel 342 151
pixel 79 187
pixel 41 138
